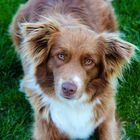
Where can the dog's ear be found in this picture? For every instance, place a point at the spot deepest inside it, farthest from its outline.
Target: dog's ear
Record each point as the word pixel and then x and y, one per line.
pixel 37 38
pixel 32 30
pixel 117 53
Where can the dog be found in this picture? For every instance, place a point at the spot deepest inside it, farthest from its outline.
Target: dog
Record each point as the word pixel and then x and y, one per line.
pixel 71 55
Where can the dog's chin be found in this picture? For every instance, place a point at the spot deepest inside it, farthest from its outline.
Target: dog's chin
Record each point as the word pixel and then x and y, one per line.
pixel 68 98
pixel 77 98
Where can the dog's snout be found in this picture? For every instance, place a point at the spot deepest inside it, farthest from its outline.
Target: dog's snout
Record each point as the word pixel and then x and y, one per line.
pixel 69 89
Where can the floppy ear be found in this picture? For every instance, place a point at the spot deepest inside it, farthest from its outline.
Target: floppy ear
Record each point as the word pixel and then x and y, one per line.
pixel 117 53
pixel 37 38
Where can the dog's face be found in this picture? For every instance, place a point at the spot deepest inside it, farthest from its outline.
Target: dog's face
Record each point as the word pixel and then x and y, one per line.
pixel 72 62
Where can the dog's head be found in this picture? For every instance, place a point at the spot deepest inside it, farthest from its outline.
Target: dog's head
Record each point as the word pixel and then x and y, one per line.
pixel 71 62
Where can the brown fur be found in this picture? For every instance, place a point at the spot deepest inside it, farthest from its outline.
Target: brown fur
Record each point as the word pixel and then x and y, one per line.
pixel 42 29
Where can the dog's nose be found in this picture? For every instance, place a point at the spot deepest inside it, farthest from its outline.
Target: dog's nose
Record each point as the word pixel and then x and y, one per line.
pixel 68 89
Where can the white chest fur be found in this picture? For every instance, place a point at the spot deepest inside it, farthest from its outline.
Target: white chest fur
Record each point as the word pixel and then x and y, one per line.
pixel 74 119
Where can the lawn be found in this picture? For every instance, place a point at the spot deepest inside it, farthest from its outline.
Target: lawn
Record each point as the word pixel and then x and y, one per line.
pixel 15 112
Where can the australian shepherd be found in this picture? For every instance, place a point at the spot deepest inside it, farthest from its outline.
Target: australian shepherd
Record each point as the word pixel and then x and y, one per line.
pixel 71 55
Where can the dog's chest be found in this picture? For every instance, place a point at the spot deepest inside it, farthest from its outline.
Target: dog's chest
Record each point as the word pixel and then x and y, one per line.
pixel 77 121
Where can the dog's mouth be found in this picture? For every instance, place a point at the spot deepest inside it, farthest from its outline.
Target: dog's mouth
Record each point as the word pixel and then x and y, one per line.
pixel 68 97
pixel 76 96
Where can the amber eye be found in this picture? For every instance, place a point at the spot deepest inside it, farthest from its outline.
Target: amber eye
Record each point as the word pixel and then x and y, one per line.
pixel 61 56
pixel 88 61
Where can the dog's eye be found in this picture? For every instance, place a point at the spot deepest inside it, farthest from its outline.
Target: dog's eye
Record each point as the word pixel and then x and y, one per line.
pixel 88 61
pixel 61 56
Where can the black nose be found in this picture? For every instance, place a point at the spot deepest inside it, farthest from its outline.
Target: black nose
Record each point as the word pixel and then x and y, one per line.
pixel 68 89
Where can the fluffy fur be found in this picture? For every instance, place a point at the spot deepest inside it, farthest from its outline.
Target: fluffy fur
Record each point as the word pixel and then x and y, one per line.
pixel 71 41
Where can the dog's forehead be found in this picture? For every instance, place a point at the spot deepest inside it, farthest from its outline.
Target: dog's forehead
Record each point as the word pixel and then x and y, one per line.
pixel 77 38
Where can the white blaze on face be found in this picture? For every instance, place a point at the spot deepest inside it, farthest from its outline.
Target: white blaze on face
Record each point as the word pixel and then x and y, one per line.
pixel 58 87
pixel 78 81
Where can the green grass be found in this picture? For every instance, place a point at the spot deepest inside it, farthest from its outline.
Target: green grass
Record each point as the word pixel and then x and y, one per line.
pixel 15 112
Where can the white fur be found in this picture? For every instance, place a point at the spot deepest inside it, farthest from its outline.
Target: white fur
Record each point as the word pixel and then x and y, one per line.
pixel 21 86
pixel 73 117
pixel 30 82
pixel 77 81
pixel 114 83
pixel 58 87
pixel 112 129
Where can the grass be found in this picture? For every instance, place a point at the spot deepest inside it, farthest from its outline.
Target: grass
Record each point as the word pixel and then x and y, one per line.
pixel 15 112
